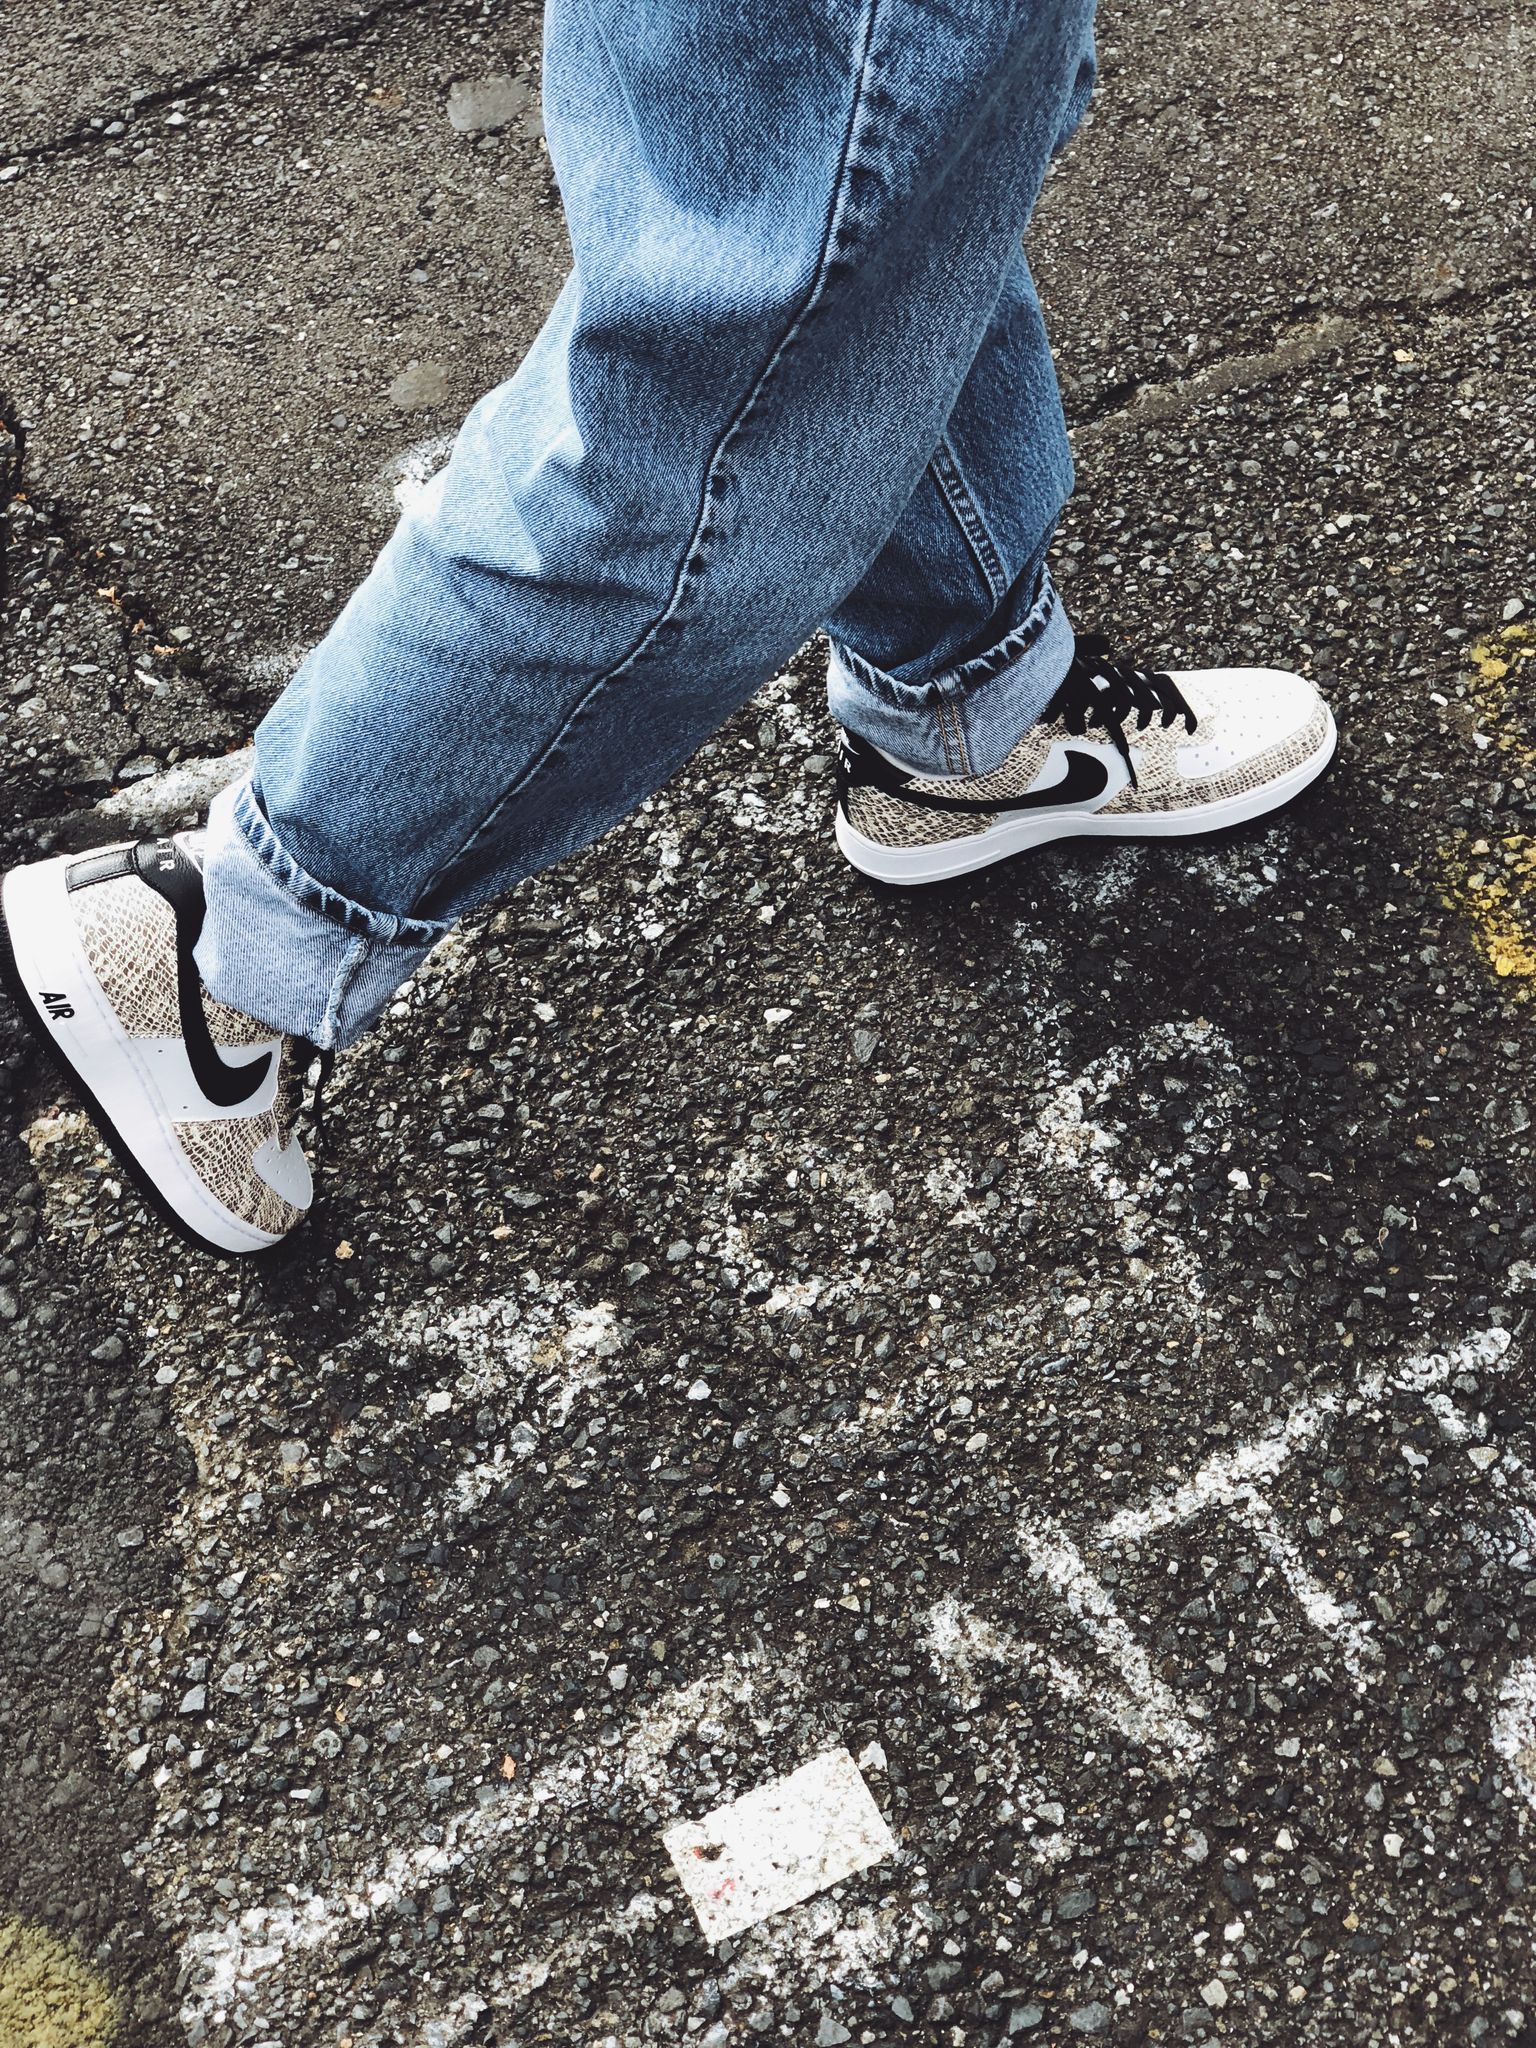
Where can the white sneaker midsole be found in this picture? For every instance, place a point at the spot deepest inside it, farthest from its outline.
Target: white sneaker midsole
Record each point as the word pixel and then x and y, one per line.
pixel 908 866
pixel 91 1040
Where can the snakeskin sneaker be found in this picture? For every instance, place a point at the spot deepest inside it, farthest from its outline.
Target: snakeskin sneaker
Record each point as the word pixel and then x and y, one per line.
pixel 198 1101
pixel 1120 753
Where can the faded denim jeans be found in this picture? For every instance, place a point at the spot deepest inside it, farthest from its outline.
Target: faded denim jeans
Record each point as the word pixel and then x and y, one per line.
pixel 798 378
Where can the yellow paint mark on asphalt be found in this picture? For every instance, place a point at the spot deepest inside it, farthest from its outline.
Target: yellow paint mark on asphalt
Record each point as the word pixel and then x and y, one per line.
pixel 1494 883
pixel 1503 677
pixel 50 1997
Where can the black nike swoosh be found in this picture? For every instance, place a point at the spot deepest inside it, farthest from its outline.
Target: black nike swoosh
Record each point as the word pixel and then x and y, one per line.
pixel 1086 777
pixel 170 873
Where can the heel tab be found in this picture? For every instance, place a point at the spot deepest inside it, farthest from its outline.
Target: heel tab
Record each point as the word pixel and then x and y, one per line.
pixel 110 865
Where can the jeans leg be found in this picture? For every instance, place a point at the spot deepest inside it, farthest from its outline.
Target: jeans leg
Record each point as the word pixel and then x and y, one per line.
pixel 954 641
pixel 792 222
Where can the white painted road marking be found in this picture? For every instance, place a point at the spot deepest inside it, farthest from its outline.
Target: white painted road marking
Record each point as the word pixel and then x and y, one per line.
pixel 1338 1619
pixel 785 1842
pixel 231 1967
pixel 1147 1711
pixel 1229 1477
pixel 960 1640
pixel 1232 1481
pixel 1141 1706
pixel 1514 1726
pixel 779 1844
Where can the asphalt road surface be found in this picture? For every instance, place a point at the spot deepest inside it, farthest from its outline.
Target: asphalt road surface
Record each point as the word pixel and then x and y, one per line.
pixel 831 1467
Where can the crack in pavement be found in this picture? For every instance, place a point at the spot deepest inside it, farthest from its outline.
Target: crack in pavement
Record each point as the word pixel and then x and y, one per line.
pixel 1136 402
pixel 85 135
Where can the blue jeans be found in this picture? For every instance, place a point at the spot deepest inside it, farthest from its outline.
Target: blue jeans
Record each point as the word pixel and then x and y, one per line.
pixel 798 377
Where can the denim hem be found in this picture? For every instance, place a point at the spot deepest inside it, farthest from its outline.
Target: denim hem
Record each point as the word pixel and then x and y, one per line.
pixel 319 897
pixel 281 947
pixel 967 719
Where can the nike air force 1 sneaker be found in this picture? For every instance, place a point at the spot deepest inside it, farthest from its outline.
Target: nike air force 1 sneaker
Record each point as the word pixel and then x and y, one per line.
pixel 1120 753
pixel 198 1101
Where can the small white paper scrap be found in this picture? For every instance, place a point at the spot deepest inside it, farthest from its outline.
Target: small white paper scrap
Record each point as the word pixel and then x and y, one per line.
pixel 778 1844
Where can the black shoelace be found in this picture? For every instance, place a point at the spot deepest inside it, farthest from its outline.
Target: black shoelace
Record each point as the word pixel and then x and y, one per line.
pixel 13 450
pixel 315 1121
pixel 1100 691
pixel 292 1114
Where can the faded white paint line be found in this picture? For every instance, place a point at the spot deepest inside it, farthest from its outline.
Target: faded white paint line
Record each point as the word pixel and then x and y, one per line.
pixel 1329 1616
pixel 1071 1139
pixel 231 1966
pixel 1514 1725
pixel 813 1945
pixel 1452 1424
pixel 224 1964
pixel 1433 1368
pixel 512 1343
pixel 406 476
pixel 958 1640
pixel 1225 1480
pixel 1514 1485
pixel 1233 1477
pixel 1233 1480
pixel 779 1844
pixel 698 1708
pixel 523 1978
pixel 1146 1710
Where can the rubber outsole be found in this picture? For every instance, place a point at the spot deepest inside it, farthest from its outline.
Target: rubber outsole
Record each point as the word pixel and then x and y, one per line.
pixel 1205 836
pixel 144 1186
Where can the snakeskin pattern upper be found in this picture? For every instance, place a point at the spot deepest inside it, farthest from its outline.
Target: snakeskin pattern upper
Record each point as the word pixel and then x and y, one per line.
pixel 224 1150
pixel 129 935
pixel 894 823
pixel 1161 784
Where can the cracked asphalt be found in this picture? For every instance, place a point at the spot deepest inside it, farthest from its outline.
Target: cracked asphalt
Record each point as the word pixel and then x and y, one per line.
pixel 1063 1339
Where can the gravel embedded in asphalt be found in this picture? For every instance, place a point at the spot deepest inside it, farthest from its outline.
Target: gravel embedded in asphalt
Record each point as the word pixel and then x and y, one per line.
pixel 1061 1338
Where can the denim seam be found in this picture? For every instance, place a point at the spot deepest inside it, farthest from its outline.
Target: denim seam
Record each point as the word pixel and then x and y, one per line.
pixel 900 696
pixel 962 752
pixel 966 514
pixel 943 724
pixel 346 974
pixel 284 872
pixel 715 473
pixel 982 668
pixel 962 759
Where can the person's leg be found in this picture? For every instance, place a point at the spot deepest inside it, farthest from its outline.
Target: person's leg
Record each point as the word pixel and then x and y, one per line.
pixel 955 640
pixel 976 724
pixel 793 227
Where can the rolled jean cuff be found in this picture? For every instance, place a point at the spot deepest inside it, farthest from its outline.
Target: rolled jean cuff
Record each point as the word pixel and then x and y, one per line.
pixel 967 719
pixel 283 948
